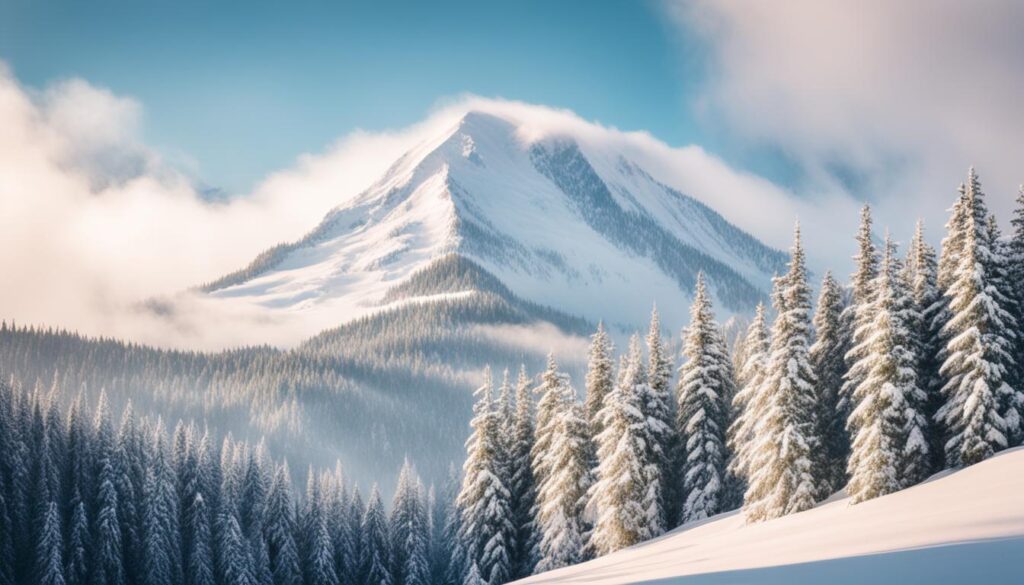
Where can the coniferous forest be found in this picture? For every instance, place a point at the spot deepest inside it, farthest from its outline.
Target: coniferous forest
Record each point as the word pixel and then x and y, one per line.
pixel 915 366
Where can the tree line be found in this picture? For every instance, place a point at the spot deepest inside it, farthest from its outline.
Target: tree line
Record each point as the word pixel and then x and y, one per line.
pixel 914 367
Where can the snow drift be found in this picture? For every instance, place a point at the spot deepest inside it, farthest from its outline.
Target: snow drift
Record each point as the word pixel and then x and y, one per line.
pixel 965 526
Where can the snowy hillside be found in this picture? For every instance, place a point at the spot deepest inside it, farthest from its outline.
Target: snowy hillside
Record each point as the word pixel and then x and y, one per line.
pixel 562 221
pixel 959 527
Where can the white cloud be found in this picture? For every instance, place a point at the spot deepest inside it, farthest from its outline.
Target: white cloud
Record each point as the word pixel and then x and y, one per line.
pixel 92 221
pixel 905 95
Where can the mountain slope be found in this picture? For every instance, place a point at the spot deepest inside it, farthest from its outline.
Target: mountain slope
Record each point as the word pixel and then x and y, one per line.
pixel 959 527
pixel 559 221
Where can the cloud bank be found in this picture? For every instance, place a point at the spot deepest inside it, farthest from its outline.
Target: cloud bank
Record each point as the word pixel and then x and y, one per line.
pixel 891 101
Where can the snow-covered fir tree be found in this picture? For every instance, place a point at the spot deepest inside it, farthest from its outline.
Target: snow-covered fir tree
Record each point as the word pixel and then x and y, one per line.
pixel 857 315
pixel 49 569
pixel 889 449
pixel 409 531
pixel 235 562
pixel 1015 273
pixel 921 268
pixel 522 487
pixel 784 476
pixel 627 473
pixel 827 357
pixel 487 532
pixel 980 335
pixel 703 394
pixel 280 528
pixel 1012 407
pixel 748 404
pixel 562 496
pixel 600 376
pixel 660 409
pixel 376 545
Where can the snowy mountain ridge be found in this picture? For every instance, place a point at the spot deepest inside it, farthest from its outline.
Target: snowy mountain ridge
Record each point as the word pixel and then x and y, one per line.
pixel 562 221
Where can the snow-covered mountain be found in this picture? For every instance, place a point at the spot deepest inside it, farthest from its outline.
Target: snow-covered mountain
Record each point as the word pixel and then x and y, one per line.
pixel 562 220
pixel 958 527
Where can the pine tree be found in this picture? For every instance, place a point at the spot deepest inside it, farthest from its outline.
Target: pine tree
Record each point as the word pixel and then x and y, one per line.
pixel 235 566
pixel 659 410
pixel 1015 275
pixel 857 315
pixel 6 526
pixel 200 568
pixel 454 563
pixel 487 530
pixel 705 387
pixel 49 568
pixel 522 487
pixel 785 478
pixel 1012 399
pixel 749 403
pixel 921 268
pixel 889 449
pixel 408 531
pixel 107 567
pixel 980 335
pixel 600 377
pixel 161 533
pixel 473 576
pixel 626 472
pixel 280 529
pixel 76 571
pixel 376 557
pixel 562 497
pixel 827 359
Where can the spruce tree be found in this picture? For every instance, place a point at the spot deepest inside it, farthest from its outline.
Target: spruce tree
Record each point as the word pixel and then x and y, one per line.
pixel 921 268
pixel 49 566
pixel 827 359
pixel 235 561
pixel 889 449
pixel 704 391
pixel 749 403
pixel 408 531
pixel 857 315
pixel 624 487
pixel 523 488
pixel 600 376
pixel 1012 399
pixel 562 496
pixel 980 336
pixel 375 548
pixel 1015 274
pixel 280 529
pixel 487 530
pixel 107 568
pixel 76 560
pixel 785 478
pixel 659 410
pixel 200 568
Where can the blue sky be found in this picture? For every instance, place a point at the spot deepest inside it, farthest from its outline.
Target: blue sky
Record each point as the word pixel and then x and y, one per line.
pixel 240 89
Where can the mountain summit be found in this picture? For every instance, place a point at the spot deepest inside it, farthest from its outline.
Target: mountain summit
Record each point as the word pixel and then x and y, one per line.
pixel 560 221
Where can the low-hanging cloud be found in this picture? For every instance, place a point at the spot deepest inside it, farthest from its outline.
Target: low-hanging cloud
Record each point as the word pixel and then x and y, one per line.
pixel 92 221
pixel 891 101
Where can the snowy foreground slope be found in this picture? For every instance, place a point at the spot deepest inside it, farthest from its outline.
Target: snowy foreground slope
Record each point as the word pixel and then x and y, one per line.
pixel 959 527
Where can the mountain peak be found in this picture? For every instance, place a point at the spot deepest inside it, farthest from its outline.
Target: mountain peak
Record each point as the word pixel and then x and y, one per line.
pixel 557 225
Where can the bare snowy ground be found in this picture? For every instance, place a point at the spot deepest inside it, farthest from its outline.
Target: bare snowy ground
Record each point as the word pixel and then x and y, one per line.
pixel 959 527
